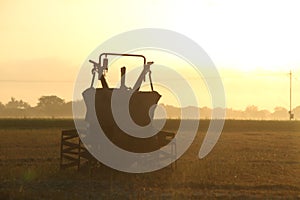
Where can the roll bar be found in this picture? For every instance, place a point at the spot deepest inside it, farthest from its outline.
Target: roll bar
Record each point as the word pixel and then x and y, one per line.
pixel 99 68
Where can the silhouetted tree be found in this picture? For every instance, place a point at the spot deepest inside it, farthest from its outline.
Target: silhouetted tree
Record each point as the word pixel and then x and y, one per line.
pixel 15 108
pixel 15 104
pixel 49 101
pixel 51 105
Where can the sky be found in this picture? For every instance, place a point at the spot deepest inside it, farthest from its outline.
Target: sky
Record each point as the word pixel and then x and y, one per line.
pixel 253 44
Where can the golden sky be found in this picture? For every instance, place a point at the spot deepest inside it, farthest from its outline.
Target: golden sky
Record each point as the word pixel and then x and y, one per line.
pixel 254 44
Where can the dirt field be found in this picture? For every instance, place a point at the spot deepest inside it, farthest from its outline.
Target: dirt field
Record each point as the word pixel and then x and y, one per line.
pixel 253 159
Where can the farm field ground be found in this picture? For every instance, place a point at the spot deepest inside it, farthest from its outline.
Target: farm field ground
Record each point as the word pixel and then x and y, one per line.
pixel 252 159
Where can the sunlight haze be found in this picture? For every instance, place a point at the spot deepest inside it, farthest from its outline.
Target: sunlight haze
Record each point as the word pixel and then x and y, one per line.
pixel 254 44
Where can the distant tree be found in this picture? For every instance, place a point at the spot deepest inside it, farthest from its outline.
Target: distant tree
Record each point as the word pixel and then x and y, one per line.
pixel 172 111
pixel 263 114
pixel 51 105
pixel 80 107
pixel 205 112
pixel 15 104
pixel 280 113
pixel 252 109
pixel 218 111
pixel 66 110
pixel 49 101
pixel 251 112
pixel 16 108
pixel 1 106
pixel 234 114
pixel 296 111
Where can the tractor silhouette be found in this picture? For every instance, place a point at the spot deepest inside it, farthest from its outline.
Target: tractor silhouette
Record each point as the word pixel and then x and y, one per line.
pixel 140 105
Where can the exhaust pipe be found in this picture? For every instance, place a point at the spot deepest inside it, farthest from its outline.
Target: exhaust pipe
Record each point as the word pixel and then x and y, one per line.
pixel 123 74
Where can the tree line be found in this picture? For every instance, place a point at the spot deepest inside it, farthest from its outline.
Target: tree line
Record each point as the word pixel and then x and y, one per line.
pixel 56 107
pixel 47 106
pixel 250 113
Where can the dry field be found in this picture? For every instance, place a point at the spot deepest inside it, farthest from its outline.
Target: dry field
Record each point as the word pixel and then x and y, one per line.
pixel 253 159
